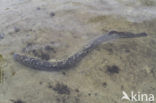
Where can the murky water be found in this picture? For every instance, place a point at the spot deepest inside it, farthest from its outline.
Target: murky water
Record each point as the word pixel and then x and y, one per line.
pixel 56 29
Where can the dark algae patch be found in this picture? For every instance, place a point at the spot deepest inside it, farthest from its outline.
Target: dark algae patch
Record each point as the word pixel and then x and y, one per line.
pixel 77 90
pixel 64 73
pixel 104 84
pixel 17 101
pixel 113 69
pixel 61 88
pixel 49 48
pixel 50 86
pixel 68 99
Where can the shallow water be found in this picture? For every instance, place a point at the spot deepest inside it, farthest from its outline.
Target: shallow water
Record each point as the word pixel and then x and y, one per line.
pixel 53 30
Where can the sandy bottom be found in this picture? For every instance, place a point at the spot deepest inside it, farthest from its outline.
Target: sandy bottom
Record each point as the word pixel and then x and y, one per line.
pixel 55 30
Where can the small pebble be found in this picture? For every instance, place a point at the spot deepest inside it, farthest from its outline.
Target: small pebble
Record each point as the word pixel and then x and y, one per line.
pixel 38 8
pixel 16 29
pixel 1 36
pixel 52 14
pixel 104 84
pixel 89 94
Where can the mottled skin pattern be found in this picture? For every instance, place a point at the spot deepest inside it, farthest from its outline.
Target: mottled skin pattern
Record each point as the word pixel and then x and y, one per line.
pixel 39 64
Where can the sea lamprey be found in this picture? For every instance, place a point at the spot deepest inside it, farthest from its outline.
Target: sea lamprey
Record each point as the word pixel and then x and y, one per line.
pixel 71 61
